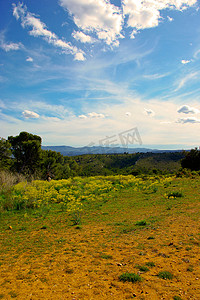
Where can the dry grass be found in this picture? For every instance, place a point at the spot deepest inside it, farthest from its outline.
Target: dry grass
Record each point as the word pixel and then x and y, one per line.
pixel 8 179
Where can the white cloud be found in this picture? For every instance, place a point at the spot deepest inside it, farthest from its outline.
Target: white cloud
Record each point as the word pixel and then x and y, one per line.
pixel 133 34
pixel 82 37
pixel 184 62
pixel 190 120
pixel 186 109
pixel 170 19
pixel 8 46
pixel 100 16
pixel 29 59
pixel 92 115
pixel 96 115
pixel 39 29
pixel 149 112
pixel 144 14
pixel 27 114
pixel 82 117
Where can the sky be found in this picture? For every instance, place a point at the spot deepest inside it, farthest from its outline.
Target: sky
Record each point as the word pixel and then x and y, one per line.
pixel 85 72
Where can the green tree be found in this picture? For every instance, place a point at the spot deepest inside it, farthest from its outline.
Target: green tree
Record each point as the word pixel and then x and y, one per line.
pixel 191 160
pixel 26 149
pixel 5 154
pixel 52 164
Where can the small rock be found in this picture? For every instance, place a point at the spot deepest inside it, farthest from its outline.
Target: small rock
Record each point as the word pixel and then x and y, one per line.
pixel 119 264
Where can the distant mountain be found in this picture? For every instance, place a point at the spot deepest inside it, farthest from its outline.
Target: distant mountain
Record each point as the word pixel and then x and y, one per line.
pixel 73 151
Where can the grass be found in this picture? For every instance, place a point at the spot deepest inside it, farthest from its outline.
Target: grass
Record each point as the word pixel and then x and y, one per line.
pixel 42 246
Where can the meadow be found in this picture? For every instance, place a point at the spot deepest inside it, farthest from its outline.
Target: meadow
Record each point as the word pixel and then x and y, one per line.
pixel 104 237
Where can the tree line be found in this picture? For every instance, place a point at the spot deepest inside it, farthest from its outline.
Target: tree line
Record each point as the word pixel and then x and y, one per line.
pixel 23 154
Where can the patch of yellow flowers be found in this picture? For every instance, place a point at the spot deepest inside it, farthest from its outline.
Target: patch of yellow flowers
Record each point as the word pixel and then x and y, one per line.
pixel 71 193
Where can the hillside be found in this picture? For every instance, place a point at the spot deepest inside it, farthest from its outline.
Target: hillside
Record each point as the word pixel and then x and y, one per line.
pixel 128 163
pixel 74 151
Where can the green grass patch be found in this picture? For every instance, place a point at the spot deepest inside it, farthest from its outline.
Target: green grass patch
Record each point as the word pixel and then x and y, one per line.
pixel 142 268
pixel 165 275
pixel 141 223
pixel 131 277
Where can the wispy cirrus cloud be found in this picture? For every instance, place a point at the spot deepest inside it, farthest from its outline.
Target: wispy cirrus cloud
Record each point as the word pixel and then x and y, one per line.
pixel 186 79
pixel 39 29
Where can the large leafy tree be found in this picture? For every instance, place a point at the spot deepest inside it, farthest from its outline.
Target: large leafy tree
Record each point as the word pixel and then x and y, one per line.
pixel 26 149
pixel 5 154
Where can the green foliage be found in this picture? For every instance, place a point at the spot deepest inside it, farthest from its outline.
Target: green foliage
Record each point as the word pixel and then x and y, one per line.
pixel 190 268
pixel 5 154
pixel 165 275
pixel 150 264
pixel 142 268
pixel 106 256
pixel 177 298
pixel 191 160
pixel 141 223
pixel 174 194
pixel 131 277
pixel 26 149
pixel 52 163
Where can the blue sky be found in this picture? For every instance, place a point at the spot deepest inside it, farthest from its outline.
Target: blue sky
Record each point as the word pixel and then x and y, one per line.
pixel 78 71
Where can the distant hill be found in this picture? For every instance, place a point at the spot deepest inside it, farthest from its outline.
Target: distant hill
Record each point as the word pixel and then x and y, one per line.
pixel 73 151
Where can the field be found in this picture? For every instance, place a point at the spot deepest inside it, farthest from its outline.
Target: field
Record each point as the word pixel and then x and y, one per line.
pixel 115 237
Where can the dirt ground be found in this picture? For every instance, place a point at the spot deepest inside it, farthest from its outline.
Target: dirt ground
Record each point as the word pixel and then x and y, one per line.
pixel 86 262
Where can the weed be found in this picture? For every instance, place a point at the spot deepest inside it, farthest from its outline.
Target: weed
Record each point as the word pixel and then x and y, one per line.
pixel 177 298
pixel 106 256
pixel 165 275
pixel 190 268
pixel 174 194
pixel 68 270
pixel 142 268
pixel 188 248
pixel 141 223
pixel 151 238
pixel 131 277
pixel 13 294
pixel 150 264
